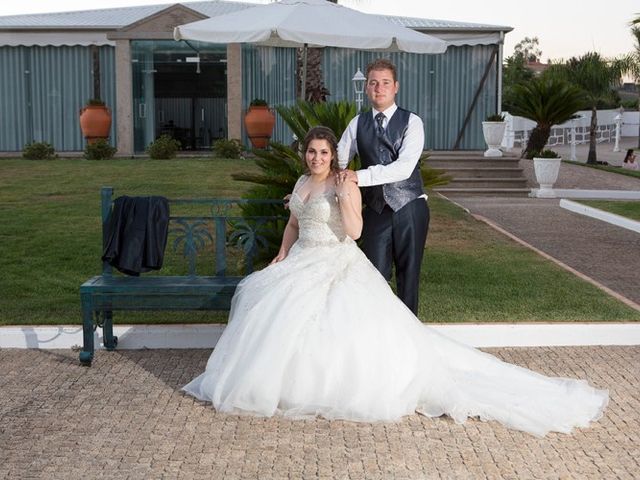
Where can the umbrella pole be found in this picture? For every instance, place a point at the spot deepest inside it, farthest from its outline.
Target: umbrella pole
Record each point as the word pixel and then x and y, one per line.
pixel 303 89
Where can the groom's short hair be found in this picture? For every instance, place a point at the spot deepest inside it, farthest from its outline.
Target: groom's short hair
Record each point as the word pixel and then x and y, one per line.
pixel 383 64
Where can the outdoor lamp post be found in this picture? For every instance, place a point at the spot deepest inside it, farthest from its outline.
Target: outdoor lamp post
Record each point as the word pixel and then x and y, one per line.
pixel 358 85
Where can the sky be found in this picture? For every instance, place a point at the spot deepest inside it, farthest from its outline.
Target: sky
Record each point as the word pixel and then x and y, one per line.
pixel 565 28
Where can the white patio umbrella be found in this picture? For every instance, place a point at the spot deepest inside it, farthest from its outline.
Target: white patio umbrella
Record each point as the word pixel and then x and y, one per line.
pixel 309 23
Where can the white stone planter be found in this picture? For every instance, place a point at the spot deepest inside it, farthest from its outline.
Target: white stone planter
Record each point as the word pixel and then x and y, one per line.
pixel 546 170
pixel 493 134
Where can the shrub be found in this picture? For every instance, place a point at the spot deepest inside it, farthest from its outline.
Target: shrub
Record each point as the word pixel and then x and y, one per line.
pixel 99 150
pixel 163 148
pixel 631 104
pixel 258 102
pixel 543 154
pixel 38 151
pixel 496 117
pixel 96 102
pixel 227 148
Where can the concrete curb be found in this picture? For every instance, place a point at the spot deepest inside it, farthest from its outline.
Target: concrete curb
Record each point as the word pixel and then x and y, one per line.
pixel 602 215
pixel 139 337
pixel 591 194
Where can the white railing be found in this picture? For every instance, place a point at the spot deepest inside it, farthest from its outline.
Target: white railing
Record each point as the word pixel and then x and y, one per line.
pixel 519 129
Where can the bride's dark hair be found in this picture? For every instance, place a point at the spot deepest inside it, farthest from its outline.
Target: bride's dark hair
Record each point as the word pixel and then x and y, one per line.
pixel 322 133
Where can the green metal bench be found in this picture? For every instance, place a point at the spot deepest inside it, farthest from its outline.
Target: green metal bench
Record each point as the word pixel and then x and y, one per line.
pixel 221 228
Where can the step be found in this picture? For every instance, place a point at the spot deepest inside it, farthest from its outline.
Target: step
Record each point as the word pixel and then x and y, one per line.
pixel 466 162
pixel 502 192
pixel 487 183
pixel 485 172
pixel 467 154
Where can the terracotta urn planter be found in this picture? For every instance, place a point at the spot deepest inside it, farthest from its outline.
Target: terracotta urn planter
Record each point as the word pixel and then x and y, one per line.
pixel 95 122
pixel 259 122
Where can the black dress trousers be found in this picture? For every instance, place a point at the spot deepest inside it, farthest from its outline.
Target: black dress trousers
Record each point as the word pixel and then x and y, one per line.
pixel 398 238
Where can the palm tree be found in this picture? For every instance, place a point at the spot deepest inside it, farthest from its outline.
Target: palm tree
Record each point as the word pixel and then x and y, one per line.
pixel 631 63
pixel 597 77
pixel 547 101
pixel 315 89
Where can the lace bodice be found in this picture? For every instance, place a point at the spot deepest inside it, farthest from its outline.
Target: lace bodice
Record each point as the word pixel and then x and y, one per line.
pixel 319 219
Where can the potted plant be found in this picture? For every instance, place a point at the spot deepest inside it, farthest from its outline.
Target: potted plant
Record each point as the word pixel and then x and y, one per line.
pixel 95 120
pixel 493 129
pixel 259 122
pixel 546 164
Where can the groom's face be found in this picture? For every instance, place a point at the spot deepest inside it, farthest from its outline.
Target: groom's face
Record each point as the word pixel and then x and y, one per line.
pixel 381 89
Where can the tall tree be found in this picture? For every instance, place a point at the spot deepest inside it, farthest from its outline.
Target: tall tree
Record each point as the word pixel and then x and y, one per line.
pixel 597 77
pixel 529 48
pixel 514 72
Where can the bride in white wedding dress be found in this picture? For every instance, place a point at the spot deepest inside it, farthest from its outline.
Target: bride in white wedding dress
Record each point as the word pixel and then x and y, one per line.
pixel 319 332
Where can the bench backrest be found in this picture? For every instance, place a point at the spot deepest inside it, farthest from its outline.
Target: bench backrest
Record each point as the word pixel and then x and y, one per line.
pixel 217 225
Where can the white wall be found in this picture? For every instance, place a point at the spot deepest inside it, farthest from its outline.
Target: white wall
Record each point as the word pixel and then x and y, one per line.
pixel 630 121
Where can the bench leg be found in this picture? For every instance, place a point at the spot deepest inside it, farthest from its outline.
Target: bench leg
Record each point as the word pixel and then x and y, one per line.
pixel 110 342
pixel 86 354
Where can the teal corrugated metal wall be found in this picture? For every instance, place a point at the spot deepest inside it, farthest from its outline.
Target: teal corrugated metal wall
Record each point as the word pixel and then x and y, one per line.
pixel 269 74
pixel 439 88
pixel 42 91
pixel 15 120
pixel 43 88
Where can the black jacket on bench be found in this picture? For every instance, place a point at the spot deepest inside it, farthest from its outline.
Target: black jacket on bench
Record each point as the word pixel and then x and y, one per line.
pixel 137 234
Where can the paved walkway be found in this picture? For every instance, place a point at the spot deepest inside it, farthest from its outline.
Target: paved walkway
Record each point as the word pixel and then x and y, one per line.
pixel 604 252
pixel 124 418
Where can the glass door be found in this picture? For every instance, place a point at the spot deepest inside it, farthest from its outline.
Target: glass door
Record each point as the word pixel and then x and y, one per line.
pixel 143 69
pixel 180 90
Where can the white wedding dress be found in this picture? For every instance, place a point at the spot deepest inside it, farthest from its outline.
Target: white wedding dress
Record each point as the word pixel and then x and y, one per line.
pixel 321 333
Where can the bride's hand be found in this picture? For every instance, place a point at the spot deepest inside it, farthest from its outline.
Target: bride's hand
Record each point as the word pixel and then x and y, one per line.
pixel 278 258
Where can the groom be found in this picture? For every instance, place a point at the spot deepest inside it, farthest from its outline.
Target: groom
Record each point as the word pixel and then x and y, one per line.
pixel 389 141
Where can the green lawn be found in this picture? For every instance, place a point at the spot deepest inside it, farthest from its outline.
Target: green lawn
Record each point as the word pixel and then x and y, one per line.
pixel 50 244
pixel 608 168
pixel 625 208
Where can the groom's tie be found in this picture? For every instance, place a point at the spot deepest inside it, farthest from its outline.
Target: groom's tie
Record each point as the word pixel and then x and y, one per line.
pixel 380 123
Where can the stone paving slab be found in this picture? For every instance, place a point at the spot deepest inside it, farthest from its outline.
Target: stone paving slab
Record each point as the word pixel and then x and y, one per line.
pixel 125 418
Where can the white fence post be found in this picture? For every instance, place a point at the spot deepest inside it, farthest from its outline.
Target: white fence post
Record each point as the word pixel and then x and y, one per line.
pixel 572 156
pixel 618 120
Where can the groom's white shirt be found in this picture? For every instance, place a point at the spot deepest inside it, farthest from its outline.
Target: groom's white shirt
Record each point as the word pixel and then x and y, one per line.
pixel 408 156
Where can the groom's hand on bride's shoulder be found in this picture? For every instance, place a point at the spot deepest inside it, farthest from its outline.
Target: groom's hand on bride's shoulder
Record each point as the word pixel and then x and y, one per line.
pixel 286 201
pixel 348 175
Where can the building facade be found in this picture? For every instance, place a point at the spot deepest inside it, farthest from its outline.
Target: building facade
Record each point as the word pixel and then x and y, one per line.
pixel 197 92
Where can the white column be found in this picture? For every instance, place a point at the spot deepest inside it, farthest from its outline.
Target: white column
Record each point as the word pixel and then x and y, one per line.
pixel 234 90
pixel 124 98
